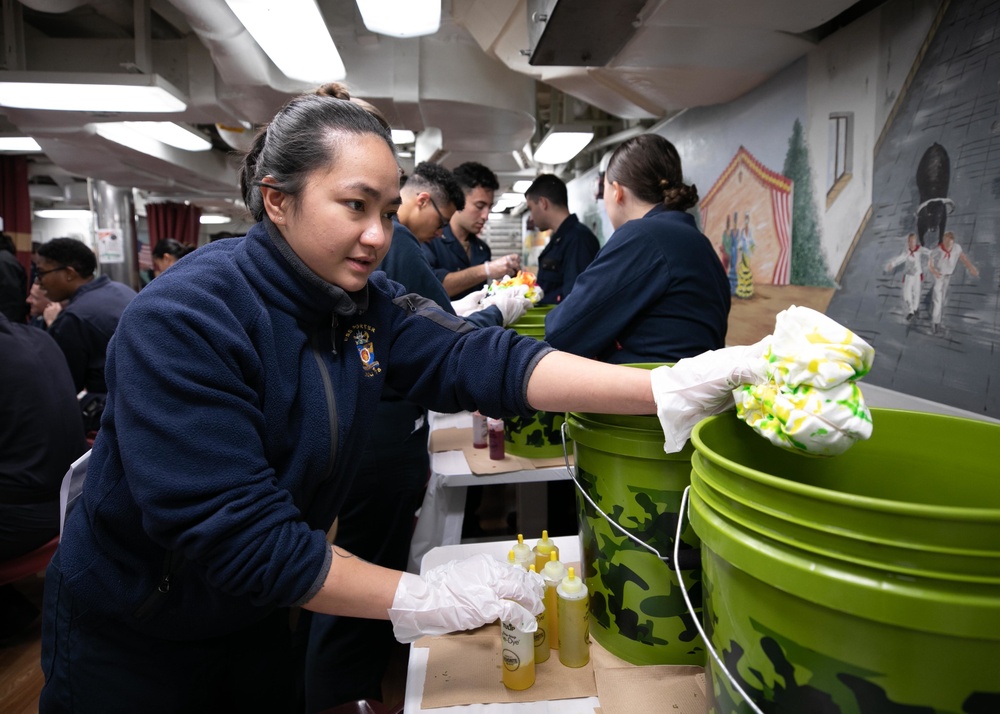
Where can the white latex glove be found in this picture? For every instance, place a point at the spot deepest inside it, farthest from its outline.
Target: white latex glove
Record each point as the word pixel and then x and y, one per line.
pixel 469 304
pixel 511 303
pixel 810 403
pixel 698 387
pixel 464 594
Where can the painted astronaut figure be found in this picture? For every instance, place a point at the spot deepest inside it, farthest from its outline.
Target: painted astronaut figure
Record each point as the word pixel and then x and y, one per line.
pixel 912 260
pixel 944 260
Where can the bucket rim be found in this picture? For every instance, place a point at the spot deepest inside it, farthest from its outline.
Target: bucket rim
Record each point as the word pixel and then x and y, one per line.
pixel 871 503
pixel 708 495
pixel 851 589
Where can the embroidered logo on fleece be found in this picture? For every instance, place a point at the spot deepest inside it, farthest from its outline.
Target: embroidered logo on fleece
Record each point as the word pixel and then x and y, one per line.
pixel 361 335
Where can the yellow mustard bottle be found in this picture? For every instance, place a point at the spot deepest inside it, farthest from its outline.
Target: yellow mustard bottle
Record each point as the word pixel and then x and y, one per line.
pixel 552 574
pixel 543 547
pixel 543 634
pixel 517 652
pixel 522 552
pixel 574 621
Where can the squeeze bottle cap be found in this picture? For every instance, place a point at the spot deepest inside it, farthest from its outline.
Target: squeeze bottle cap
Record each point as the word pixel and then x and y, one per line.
pixel 571 583
pixel 531 568
pixel 521 547
pixel 545 544
pixel 510 558
pixel 554 570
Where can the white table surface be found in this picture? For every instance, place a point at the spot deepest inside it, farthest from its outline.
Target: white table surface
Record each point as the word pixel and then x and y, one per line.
pixel 416 671
pixel 443 508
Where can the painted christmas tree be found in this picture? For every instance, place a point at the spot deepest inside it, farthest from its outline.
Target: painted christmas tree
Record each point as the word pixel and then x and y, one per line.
pixel 808 262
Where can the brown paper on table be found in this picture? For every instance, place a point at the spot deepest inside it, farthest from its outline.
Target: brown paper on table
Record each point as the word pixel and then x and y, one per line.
pixel 452 439
pixel 624 688
pixel 480 463
pixel 466 670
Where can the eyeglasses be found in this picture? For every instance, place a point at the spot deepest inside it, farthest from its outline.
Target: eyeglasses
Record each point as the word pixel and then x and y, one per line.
pixel 444 221
pixel 39 274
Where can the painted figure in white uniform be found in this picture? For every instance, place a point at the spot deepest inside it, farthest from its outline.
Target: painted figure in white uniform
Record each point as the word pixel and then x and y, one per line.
pixel 912 259
pixel 944 260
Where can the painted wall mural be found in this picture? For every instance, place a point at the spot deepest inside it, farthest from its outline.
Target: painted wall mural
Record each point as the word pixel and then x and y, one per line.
pixel 922 282
pixel 747 214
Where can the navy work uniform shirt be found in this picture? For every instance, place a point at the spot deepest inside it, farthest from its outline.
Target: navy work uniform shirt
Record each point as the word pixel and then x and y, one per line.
pixel 569 251
pixel 656 292
pixel 447 255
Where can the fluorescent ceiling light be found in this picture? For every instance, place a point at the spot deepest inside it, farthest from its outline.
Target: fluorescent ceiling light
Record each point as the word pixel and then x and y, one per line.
pixel 403 136
pixel 294 35
pixel 176 135
pixel 561 144
pixel 496 216
pixel 121 132
pixel 79 214
pixel 522 186
pixel 207 220
pixel 512 199
pixel 19 144
pixel 148 136
pixel 401 18
pixel 89 92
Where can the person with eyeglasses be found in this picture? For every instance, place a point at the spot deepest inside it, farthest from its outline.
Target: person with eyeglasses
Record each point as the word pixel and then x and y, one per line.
pixel 462 260
pixel 65 270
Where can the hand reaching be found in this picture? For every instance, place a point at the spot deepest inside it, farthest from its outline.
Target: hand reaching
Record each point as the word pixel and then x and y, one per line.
pixel 465 594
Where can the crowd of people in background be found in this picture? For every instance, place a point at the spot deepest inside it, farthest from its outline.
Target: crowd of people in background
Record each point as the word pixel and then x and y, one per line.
pixel 655 292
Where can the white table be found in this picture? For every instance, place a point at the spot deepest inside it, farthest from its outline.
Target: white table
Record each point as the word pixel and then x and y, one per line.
pixel 443 507
pixel 416 671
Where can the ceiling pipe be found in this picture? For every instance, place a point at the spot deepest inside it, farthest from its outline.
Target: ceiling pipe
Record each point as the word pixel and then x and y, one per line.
pixel 237 56
pixel 117 11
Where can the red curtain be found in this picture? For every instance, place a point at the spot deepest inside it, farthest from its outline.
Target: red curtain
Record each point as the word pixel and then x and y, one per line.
pixel 15 205
pixel 173 220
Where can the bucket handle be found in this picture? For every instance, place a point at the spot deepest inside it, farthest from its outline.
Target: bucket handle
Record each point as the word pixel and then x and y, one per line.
pixel 695 618
pixel 688 559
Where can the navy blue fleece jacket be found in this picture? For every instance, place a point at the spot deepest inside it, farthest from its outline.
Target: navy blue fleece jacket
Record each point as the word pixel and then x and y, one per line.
pixel 241 391
pixel 656 292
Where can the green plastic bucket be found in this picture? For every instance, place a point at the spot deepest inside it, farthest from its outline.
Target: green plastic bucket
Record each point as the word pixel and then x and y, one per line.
pixel 868 582
pixel 537 436
pixel 637 611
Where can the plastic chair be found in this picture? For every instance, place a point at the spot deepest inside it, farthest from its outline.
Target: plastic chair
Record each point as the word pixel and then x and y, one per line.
pixel 28 564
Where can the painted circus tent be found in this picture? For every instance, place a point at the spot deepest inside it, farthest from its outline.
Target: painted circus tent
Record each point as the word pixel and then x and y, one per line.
pixel 748 212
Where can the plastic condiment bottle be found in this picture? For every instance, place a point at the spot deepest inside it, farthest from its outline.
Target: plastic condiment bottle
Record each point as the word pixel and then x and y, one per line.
pixel 574 621
pixel 478 430
pixel 517 650
pixel 543 547
pixel 522 553
pixel 511 558
pixel 552 574
pixel 543 634
pixel 494 435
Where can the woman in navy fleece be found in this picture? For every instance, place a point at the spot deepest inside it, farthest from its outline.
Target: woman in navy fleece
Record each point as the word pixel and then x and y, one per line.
pixel 217 474
pixel 656 292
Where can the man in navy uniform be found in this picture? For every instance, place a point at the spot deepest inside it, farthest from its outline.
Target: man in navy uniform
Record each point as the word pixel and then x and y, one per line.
pixel 461 260
pixel 571 247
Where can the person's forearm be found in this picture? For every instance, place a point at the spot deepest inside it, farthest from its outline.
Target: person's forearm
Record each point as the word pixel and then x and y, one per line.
pixel 461 280
pixel 563 382
pixel 355 588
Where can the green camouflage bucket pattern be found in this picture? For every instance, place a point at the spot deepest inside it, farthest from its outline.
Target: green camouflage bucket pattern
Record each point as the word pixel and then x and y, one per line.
pixel 796 604
pixel 537 436
pixel 637 610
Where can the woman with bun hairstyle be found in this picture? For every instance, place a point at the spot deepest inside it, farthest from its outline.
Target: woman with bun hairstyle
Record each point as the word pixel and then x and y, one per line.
pixel 656 292
pixel 216 476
